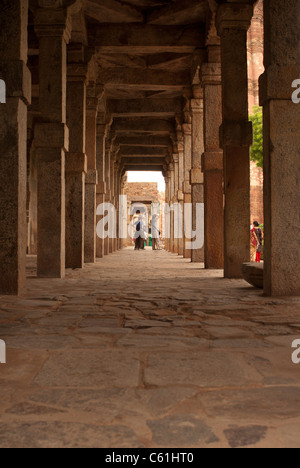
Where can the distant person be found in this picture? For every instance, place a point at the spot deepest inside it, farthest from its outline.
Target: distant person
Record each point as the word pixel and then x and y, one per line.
pixel 139 233
pixel 257 237
pixel 155 232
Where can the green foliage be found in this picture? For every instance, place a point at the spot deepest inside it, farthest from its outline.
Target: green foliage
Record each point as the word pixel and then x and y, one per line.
pixel 257 151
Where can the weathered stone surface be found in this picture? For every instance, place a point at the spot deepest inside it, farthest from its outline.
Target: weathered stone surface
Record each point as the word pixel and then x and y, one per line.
pixel 187 429
pixel 245 436
pixel 209 371
pixel 110 368
pixel 65 434
pixel 253 273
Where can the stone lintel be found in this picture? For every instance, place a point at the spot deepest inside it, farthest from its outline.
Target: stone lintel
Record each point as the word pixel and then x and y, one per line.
pixel 234 16
pixel 211 74
pixel 76 163
pixel 236 134
pixel 91 177
pixel 17 78
pixel 51 135
pixel 101 188
pixel 196 177
pixel 276 82
pixel 187 188
pixel 212 161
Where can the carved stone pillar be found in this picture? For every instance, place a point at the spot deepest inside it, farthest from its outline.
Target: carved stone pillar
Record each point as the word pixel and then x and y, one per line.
pixel 187 189
pixel 281 147
pixel 233 21
pixel 13 138
pixel 196 171
pixel 213 166
pixel 175 199
pixel 91 180
pixel 76 164
pixel 52 139
pixel 101 187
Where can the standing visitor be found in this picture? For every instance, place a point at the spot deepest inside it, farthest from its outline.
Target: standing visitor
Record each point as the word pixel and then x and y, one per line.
pixel 257 237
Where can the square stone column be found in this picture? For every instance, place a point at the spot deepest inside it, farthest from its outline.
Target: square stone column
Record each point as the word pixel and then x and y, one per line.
pixel 108 188
pixel 281 147
pixel 52 139
pixel 76 164
pixel 168 181
pixel 233 21
pixel 187 188
pixel 213 166
pixel 91 180
pixel 196 171
pixel 101 187
pixel 180 196
pixel 172 193
pixel 175 198
pixel 13 138
pixel 112 195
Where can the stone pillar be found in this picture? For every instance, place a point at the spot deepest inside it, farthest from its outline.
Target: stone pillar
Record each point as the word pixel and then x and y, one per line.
pixel 108 191
pixel 196 171
pixel 172 192
pixel 281 147
pixel 213 166
pixel 187 189
pixel 76 164
pixel 112 196
pixel 101 187
pixel 233 21
pixel 13 138
pixel 180 195
pixel 175 198
pixel 167 240
pixel 91 177
pixel 168 204
pixel 52 139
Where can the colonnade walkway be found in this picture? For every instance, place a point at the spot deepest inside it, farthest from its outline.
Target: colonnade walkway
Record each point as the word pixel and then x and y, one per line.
pixel 144 349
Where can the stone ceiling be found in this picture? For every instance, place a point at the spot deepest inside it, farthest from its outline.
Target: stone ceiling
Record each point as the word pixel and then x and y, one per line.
pixel 146 54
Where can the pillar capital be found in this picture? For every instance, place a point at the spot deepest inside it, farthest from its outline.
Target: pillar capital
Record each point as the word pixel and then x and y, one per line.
pixel 187 129
pixel 171 167
pixel 211 74
pixel 197 106
pixel 176 157
pixel 234 16
pixel 77 72
pixel 53 23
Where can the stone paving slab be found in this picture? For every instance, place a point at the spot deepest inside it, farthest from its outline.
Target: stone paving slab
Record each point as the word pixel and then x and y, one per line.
pixel 107 358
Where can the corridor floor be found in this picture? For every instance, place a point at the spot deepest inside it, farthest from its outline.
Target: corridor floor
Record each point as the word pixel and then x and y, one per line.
pixel 144 349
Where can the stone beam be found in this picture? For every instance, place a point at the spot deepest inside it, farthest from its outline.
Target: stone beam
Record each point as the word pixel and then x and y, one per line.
pixel 145 107
pixel 185 11
pixel 143 141
pixel 144 168
pixel 143 79
pixel 135 151
pixel 152 126
pixel 143 161
pixel 146 38
pixel 111 10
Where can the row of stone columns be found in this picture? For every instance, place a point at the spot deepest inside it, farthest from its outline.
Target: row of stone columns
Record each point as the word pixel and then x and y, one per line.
pixel 216 146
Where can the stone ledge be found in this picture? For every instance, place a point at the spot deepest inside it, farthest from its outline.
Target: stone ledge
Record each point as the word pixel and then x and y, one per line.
pixel 253 273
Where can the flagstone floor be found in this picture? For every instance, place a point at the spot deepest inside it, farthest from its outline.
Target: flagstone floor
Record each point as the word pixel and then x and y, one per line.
pixel 144 349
